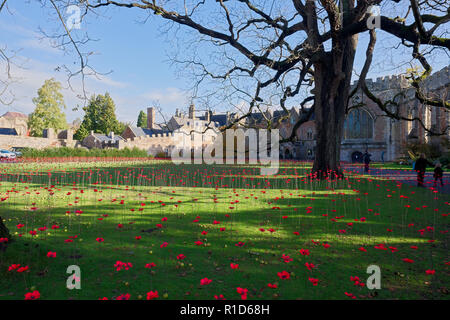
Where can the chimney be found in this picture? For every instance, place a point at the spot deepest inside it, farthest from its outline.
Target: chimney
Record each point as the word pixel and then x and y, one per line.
pixel 92 132
pixel 111 134
pixel 177 113
pixel 192 111
pixel 150 118
pixel 207 116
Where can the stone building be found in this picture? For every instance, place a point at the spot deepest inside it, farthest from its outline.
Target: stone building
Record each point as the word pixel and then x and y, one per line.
pixel 180 131
pixel 102 141
pixel 50 139
pixel 367 128
pixel 15 120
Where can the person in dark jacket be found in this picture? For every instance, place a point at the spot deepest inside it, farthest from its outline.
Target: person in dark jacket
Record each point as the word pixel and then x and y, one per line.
pixel 420 167
pixel 366 159
pixel 438 174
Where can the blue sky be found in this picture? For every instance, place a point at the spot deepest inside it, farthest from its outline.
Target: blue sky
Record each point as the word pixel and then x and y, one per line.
pixel 134 51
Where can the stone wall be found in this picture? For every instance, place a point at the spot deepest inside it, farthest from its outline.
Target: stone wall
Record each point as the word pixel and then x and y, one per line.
pixel 8 141
pixel 164 143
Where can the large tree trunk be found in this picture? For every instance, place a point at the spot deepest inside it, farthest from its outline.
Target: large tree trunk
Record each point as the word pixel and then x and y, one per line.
pixel 4 233
pixel 332 76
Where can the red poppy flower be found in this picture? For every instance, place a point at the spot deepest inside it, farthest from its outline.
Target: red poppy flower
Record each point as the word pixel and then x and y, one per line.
pixel 286 258
pixel 284 275
pixel 234 266
pixel 310 266
pixel 13 267
pixel 123 297
pixel 51 254
pixel 242 292
pixel 205 281
pixel 23 269
pixel 152 295
pixel 313 281
pixel 304 252
pixel 32 295
pixel 350 295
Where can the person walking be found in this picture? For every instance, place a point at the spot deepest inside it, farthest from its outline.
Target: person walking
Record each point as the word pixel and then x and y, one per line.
pixel 438 174
pixel 420 167
pixel 366 159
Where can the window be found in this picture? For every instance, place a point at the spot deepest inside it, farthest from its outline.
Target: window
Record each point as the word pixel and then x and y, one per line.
pixel 309 134
pixel 358 125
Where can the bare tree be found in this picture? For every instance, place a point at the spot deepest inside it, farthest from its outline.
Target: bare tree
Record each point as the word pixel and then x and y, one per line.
pixel 292 52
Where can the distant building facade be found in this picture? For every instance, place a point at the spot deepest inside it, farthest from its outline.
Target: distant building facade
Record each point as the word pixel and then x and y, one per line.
pixel 367 128
pixel 15 120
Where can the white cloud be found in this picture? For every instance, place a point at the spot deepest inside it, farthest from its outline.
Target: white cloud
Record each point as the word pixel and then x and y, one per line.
pixel 165 96
pixel 31 77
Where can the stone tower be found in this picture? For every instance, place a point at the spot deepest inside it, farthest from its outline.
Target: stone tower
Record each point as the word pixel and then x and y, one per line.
pixel 192 111
pixel 150 117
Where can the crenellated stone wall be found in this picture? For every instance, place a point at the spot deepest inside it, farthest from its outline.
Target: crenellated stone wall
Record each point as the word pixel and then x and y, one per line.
pixel 51 140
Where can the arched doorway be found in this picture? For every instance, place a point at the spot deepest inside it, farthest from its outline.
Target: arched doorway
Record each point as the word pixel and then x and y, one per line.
pixel 287 154
pixel 357 156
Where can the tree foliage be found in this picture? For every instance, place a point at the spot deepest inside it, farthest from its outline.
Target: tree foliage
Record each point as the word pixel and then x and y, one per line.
pixel 48 112
pixel 290 52
pixel 142 120
pixel 100 117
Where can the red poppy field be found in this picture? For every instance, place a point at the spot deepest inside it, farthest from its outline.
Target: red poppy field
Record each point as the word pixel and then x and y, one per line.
pixel 153 230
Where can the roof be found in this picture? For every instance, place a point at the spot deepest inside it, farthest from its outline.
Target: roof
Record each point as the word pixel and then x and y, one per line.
pixel 141 132
pixel 188 122
pixel 8 131
pixel 105 138
pixel 12 114
pixel 221 119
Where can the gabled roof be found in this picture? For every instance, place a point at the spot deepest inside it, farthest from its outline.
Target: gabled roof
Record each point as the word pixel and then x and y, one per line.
pixel 105 138
pixel 221 119
pixel 12 114
pixel 141 132
pixel 8 131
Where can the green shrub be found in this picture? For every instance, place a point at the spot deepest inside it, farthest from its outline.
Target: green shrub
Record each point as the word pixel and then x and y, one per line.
pixel 432 151
pixel 445 160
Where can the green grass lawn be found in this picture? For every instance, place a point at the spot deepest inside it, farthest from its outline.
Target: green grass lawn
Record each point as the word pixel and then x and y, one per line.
pixel 119 202
pixel 396 166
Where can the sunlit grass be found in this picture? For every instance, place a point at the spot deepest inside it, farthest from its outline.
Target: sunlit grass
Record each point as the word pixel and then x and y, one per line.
pixel 286 203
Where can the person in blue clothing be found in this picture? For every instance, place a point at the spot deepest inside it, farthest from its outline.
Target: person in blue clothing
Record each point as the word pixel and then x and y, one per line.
pixel 366 159
pixel 420 167
pixel 438 174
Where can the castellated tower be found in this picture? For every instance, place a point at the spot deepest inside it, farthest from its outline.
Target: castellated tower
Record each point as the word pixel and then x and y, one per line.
pixel 192 111
pixel 150 118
